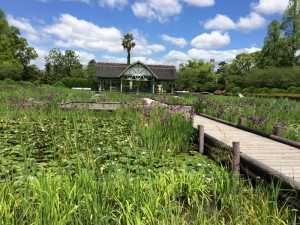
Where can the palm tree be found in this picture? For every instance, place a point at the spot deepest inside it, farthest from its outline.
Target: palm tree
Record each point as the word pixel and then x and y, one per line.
pixel 128 44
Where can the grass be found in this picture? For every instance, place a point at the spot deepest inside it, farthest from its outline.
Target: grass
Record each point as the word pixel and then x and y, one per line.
pixel 131 166
pixel 258 113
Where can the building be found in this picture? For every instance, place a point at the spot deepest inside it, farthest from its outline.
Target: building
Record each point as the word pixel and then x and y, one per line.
pixel 136 77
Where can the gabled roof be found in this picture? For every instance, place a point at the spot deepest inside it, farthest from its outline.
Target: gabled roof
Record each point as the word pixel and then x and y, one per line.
pixel 115 70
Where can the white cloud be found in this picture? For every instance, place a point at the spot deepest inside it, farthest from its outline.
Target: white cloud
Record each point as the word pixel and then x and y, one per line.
pixel 143 47
pixel 40 61
pixel 220 22
pixel 176 57
pixel 251 22
pixel 271 6
pixel 160 10
pixel 200 3
pixel 71 32
pixel 85 57
pixel 113 3
pixel 114 59
pixel 180 42
pixel 219 56
pixel 24 26
pixel 212 40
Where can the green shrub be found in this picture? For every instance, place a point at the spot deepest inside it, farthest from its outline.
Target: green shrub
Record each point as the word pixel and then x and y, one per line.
pixel 78 82
pixel 249 90
pixel 26 83
pixel 263 90
pixel 10 70
pixel 8 81
pixel 59 84
pixel 294 90
pixel 273 78
pixel 236 90
pixel 277 90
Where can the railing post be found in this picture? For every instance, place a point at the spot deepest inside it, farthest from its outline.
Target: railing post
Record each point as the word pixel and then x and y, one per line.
pixel 236 159
pixel 277 130
pixel 241 121
pixel 201 138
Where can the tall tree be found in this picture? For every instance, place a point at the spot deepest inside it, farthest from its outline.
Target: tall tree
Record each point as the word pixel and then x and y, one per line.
pixel 128 44
pixel 291 23
pixel 15 54
pixel 60 65
pixel 196 76
pixel 278 50
pixel 91 69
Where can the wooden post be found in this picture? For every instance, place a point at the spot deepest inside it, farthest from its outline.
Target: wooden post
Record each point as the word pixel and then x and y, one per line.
pixel 201 138
pixel 241 121
pixel 236 159
pixel 153 87
pixel 110 86
pixel 277 130
pixel 100 86
pixel 121 86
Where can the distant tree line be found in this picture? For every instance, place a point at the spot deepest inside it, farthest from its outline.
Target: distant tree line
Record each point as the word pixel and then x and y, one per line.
pixel 277 65
pixel 61 68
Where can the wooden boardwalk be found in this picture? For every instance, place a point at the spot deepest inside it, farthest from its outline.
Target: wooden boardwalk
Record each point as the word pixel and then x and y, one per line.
pixel 279 157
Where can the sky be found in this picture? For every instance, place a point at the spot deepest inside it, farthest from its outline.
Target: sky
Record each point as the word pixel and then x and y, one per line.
pixel 165 31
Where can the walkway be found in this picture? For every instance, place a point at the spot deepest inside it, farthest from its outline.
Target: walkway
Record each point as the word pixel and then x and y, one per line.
pixel 280 157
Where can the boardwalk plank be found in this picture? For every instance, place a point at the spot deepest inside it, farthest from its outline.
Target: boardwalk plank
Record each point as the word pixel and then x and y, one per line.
pixel 280 157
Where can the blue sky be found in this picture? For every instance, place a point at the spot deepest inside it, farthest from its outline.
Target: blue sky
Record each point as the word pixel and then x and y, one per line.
pixel 166 31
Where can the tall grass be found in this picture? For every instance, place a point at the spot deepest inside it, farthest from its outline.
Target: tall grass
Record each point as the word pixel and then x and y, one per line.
pixel 124 167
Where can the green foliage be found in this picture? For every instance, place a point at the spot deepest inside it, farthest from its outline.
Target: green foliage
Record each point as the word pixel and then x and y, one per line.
pixel 91 70
pixel 196 76
pixel 15 54
pixel 78 82
pixel 10 70
pixel 291 24
pixel 83 167
pixel 273 77
pixel 61 65
pixel 277 50
pixel 260 113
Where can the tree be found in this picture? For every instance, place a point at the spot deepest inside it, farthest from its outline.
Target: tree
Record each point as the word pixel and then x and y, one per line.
pixel 291 23
pixel 128 44
pixel 15 54
pixel 277 50
pixel 91 69
pixel 196 76
pixel 61 65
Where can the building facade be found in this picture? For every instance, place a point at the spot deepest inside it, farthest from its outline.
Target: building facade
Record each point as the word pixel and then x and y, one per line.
pixel 136 77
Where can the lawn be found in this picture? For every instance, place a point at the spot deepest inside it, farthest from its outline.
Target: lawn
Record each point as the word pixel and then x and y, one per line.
pixel 132 166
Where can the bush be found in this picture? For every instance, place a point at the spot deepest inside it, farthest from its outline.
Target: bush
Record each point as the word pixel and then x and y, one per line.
pixel 294 90
pixel 8 81
pixel 78 82
pixel 59 84
pixel 10 70
pixel 249 90
pixel 26 83
pixel 273 77
pixel 235 90
pixel 262 90
pixel 277 90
